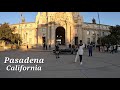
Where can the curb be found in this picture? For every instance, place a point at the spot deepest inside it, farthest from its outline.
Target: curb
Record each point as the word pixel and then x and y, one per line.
pixel 41 50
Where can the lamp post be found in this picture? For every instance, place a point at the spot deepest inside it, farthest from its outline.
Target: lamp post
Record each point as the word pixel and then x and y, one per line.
pixel 50 34
pixel 66 21
pixel 20 27
pixel 70 34
pixel 37 34
pixel 66 29
pixel 78 31
pixel 99 26
pixel 47 28
pixel 19 35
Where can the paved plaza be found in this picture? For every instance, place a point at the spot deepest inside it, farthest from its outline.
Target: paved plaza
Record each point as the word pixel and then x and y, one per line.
pixel 101 65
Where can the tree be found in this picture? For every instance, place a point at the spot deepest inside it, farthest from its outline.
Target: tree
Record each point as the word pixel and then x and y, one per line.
pixel 113 38
pixel 6 34
pixel 16 38
pixel 105 40
pixel 98 41
pixel 115 35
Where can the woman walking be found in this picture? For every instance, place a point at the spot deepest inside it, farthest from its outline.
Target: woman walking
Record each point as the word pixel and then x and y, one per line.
pixel 80 52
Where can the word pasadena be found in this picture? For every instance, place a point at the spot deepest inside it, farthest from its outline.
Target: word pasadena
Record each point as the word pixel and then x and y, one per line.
pixel 21 60
pixel 21 68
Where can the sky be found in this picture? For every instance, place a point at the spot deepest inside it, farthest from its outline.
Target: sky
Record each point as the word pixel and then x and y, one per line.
pixel 107 18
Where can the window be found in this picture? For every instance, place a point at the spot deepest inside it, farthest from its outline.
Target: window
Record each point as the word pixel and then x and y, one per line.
pixel 96 26
pixel 106 27
pixel 30 40
pixel 88 32
pixel 93 32
pixel 93 40
pixel 88 40
pixel 107 33
pixel 103 33
pixel 30 33
pixel 50 34
pixel 43 29
pixel 24 36
pixel 76 31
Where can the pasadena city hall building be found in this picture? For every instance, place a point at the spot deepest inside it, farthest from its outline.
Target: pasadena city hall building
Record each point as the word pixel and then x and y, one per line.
pixel 63 27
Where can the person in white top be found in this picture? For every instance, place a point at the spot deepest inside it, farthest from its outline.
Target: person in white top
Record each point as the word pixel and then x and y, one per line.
pixel 80 51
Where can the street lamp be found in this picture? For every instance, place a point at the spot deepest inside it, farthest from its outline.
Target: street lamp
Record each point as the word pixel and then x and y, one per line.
pixel 99 27
pixel 66 26
pixel 70 34
pixel 66 21
pixel 19 34
pixel 50 33
pixel 47 28
pixel 37 34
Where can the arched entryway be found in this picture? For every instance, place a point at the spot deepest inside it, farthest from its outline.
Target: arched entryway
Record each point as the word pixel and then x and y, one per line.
pixel 60 35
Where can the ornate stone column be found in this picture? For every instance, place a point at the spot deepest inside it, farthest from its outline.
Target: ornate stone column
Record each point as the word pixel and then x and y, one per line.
pixel 66 39
pixel 53 39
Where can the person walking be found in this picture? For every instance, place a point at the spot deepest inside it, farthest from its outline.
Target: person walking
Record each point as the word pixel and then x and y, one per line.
pixel 27 47
pixel 112 49
pixel 73 49
pixel 90 48
pixel 80 52
pixel 46 46
pixel 57 51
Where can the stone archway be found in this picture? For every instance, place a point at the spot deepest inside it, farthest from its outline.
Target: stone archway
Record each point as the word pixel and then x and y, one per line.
pixel 60 35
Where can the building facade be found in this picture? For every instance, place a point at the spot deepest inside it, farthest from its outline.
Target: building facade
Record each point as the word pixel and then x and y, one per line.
pixel 63 27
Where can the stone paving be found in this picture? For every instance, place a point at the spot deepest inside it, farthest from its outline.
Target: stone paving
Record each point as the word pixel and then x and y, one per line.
pixel 101 65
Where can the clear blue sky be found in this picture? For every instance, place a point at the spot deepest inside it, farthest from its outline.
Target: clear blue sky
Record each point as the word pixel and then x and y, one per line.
pixel 108 18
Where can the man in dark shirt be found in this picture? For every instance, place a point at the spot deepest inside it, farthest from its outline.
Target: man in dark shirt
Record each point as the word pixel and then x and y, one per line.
pixel 90 47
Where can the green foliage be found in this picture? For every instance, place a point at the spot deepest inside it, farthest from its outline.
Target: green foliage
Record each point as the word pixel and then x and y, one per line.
pixel 113 38
pixel 6 34
pixel 115 34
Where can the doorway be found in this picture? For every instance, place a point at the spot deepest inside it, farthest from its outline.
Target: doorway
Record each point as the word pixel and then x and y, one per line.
pixel 60 35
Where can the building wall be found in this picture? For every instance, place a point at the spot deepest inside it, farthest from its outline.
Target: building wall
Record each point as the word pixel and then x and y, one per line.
pixel 72 22
pixel 94 31
pixel 63 19
pixel 27 32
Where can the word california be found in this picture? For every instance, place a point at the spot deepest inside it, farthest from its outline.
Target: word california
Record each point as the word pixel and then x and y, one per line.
pixel 21 68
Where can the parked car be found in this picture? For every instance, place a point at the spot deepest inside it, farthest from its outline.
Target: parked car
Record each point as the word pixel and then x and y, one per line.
pixel 64 51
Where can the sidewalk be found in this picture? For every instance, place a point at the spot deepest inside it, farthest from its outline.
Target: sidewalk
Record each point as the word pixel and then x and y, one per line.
pixel 100 65
pixel 39 50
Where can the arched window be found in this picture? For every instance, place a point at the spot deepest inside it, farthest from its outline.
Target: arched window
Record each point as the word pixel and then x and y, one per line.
pixel 93 32
pixel 88 32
